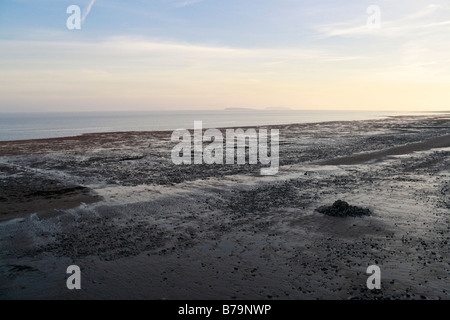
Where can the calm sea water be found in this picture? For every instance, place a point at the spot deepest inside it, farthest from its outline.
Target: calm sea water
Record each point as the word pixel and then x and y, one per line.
pixel 52 125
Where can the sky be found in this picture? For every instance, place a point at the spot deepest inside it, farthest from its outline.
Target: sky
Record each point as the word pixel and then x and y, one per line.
pixel 215 54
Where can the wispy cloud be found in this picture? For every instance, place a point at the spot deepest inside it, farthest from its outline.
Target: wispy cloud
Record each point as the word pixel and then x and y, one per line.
pixel 87 11
pixel 186 3
pixel 408 25
pixel 141 53
pixel 125 71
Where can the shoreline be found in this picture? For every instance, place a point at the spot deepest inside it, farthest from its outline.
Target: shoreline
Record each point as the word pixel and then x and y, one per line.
pixel 4 144
pixel 158 131
pixel 225 232
pixel 21 201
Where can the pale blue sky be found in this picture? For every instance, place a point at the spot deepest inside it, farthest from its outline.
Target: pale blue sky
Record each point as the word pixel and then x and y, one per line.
pixel 209 54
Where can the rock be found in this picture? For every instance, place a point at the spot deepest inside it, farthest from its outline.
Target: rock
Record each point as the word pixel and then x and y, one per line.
pixel 342 209
pixel 340 205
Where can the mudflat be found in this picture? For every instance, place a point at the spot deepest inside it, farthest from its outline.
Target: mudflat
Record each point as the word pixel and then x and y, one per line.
pixel 141 227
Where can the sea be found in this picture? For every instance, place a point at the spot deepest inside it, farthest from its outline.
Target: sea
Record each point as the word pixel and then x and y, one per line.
pixel 24 126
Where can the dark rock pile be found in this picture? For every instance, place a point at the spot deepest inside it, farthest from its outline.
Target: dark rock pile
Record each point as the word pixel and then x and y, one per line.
pixel 343 209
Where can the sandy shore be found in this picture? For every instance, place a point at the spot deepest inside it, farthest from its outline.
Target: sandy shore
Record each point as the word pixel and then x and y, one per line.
pixel 141 227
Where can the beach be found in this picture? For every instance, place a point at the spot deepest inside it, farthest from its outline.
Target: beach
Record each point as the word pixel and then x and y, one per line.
pixel 141 227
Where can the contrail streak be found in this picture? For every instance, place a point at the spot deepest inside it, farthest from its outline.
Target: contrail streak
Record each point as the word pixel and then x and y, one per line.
pixel 88 9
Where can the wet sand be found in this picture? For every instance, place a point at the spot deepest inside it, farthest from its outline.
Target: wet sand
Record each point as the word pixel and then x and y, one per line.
pixel 433 143
pixel 141 227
